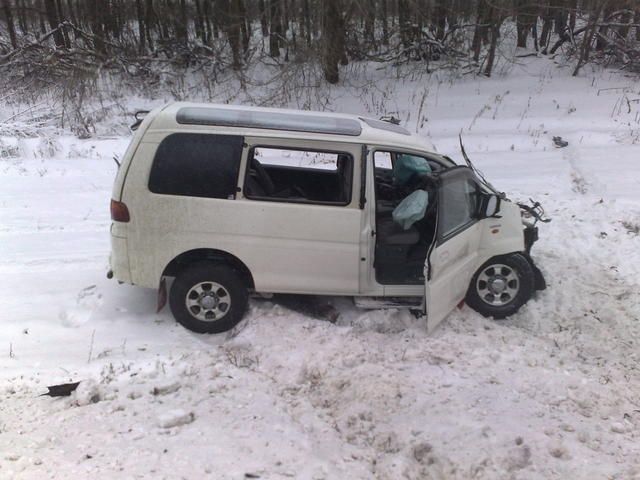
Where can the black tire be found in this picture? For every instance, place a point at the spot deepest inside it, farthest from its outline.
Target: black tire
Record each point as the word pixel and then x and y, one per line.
pixel 484 294
pixel 211 280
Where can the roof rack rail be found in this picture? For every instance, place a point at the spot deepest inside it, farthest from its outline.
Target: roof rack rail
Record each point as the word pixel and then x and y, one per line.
pixel 390 119
pixel 298 122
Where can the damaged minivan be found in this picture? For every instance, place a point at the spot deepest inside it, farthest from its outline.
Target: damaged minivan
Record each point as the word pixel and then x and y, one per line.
pixel 230 201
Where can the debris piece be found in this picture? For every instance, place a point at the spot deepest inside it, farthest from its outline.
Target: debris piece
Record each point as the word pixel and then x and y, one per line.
pixel 62 390
pixel 559 142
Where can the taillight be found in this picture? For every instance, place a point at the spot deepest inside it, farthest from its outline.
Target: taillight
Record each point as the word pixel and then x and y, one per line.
pixel 119 211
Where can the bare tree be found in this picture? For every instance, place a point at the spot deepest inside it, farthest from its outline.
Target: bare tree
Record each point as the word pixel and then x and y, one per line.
pixel 332 47
pixel 6 8
pixel 54 22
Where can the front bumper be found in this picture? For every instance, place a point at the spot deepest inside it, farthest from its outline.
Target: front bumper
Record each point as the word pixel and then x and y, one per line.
pixel 530 237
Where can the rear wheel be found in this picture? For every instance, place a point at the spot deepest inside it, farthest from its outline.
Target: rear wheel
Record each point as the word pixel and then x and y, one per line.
pixel 501 286
pixel 208 298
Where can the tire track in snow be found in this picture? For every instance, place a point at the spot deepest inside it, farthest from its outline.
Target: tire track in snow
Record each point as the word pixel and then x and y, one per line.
pixel 578 182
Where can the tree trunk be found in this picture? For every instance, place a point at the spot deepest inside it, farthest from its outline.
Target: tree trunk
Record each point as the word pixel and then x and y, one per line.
pixel 331 46
pixel 369 14
pixel 51 10
pixel 495 34
pixel 625 19
pixel 479 31
pixel 8 15
pixel 275 34
pixel 245 27
pixel 181 23
pixel 587 40
pixel 142 30
pixel 385 22
pixel 97 26
pixel 73 16
pixel 547 19
pixel 199 22
pixel 150 22
pixel 342 33
pixel 42 18
pixel 217 17
pixel 403 20
pixel 441 19
pixel 291 24
pixel 206 17
pixel 230 15
pixel 22 17
pixel 264 26
pixel 560 20
pixel 601 41
pixel 306 13
pixel 573 10
pixel 527 17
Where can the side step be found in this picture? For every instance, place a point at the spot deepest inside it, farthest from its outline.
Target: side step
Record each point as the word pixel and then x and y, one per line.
pixel 374 303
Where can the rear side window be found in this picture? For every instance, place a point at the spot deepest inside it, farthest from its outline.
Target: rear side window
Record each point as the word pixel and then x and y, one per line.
pixel 299 176
pixel 197 165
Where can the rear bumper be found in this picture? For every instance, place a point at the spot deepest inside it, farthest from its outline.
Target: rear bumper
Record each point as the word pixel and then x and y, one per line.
pixel 119 259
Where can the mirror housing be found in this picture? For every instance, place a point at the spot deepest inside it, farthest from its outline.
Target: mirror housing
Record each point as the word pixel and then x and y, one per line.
pixel 489 205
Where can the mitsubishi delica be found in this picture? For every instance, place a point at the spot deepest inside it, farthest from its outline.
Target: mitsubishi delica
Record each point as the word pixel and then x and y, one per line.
pixel 230 201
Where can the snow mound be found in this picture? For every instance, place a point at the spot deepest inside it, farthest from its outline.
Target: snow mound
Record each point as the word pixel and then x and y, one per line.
pixel 175 418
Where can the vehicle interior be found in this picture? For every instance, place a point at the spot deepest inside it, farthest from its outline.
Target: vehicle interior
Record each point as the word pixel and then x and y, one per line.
pixel 402 244
pixel 299 176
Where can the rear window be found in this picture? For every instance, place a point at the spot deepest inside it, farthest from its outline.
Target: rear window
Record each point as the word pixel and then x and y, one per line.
pixel 197 165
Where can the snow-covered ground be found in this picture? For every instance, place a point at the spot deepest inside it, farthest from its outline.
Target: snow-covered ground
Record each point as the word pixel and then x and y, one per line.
pixel 553 392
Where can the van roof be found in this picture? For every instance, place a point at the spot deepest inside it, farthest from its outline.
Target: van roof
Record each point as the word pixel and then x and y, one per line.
pixel 270 122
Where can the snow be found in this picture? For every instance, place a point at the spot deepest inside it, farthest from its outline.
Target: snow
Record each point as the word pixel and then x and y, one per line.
pixel 552 392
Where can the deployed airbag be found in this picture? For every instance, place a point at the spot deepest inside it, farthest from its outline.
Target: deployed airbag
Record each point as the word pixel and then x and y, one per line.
pixel 406 166
pixel 411 209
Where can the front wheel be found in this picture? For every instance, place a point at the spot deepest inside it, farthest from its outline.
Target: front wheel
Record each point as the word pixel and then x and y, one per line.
pixel 501 286
pixel 208 298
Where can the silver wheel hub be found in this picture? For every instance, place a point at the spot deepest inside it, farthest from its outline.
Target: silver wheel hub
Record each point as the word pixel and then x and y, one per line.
pixel 208 301
pixel 498 285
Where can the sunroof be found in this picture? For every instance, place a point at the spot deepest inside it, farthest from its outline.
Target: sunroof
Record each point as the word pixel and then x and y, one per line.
pixel 382 125
pixel 269 120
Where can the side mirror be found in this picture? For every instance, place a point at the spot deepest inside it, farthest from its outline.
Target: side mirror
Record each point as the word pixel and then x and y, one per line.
pixel 489 205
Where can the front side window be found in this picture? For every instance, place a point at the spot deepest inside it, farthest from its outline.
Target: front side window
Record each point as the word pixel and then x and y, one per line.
pixel 382 160
pixel 458 205
pixel 197 165
pixel 299 175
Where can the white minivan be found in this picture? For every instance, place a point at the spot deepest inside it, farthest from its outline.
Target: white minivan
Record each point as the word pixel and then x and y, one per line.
pixel 230 201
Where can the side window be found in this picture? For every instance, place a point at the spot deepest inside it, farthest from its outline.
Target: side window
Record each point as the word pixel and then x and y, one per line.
pixel 458 205
pixel 382 160
pixel 197 165
pixel 281 157
pixel 299 175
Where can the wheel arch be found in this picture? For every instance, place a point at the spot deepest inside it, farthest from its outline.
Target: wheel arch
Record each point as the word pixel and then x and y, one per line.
pixel 208 254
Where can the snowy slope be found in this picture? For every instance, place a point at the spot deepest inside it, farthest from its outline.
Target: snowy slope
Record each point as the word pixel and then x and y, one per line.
pixel 553 392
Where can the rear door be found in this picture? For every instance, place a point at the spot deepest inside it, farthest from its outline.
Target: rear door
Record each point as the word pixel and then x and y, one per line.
pixel 301 231
pixel 453 259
